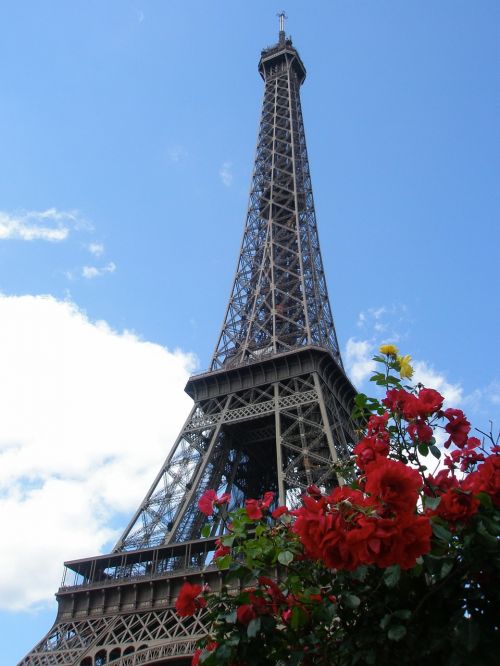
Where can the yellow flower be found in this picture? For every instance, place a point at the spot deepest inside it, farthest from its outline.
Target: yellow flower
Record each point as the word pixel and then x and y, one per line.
pixel 405 369
pixel 389 350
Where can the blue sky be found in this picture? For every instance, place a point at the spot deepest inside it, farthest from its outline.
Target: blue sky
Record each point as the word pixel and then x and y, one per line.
pixel 127 133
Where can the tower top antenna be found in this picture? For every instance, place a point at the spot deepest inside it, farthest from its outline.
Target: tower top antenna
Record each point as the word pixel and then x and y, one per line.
pixel 282 16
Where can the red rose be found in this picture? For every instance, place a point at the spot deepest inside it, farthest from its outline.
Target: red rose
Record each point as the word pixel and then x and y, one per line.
pixel 457 506
pixel 442 482
pixel 209 499
pixel 420 430
pixel 208 648
pixel 429 401
pixel 486 479
pixel 377 424
pixel 254 511
pixel 279 511
pixel 188 600
pixel 413 540
pixel 254 507
pixel 458 427
pixel 393 483
pixel 399 400
pixel 267 500
pixel 221 551
pixel 245 613
pixel 467 456
pixel 369 449
pixel 206 502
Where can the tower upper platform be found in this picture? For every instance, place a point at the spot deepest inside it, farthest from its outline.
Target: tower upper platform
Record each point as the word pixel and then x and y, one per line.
pixel 273 58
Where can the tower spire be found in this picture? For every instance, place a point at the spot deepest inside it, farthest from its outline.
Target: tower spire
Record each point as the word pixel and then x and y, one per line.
pixel 282 16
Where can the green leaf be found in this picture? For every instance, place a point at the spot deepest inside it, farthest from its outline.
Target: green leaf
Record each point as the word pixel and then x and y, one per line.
pixel 352 601
pixel 224 562
pixel 481 528
pixel 485 499
pixel 423 449
pixel 378 377
pixel 227 540
pixel 435 451
pixel 299 618
pixel 392 575
pixel 285 557
pixel 403 614
pixel 385 621
pixel 432 502
pixel 253 627
pixel 379 359
pixel 441 532
pixel 397 632
pixel 360 399
pixel 205 530
pixel 360 573
pixel 446 568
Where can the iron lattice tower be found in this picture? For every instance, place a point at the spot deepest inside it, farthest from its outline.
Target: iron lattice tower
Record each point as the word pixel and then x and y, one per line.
pixel 272 413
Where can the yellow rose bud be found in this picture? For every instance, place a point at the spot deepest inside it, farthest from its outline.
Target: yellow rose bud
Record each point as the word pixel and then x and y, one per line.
pixel 389 350
pixel 405 369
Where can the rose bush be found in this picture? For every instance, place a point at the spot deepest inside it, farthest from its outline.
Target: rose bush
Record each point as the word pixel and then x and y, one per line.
pixel 396 566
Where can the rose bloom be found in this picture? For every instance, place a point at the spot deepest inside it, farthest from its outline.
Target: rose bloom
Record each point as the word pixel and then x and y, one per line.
pixel 456 506
pixel 442 482
pixel 189 600
pixel 208 648
pixel 486 479
pixel 458 427
pixel 420 430
pixel 279 511
pixel 369 449
pixel 378 424
pixel 429 401
pixel 221 551
pixel 245 613
pixel 254 507
pixel 254 511
pixel 206 502
pixel 394 483
pixel 209 499
pixel 413 539
pixel 399 400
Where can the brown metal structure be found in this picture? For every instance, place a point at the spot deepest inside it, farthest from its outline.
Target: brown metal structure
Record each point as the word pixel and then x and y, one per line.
pixel 272 413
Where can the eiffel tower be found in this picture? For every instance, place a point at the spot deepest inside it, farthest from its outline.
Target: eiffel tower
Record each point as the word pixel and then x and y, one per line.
pixel 271 413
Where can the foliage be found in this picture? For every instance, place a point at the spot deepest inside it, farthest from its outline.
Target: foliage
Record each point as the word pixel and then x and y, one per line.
pixel 398 566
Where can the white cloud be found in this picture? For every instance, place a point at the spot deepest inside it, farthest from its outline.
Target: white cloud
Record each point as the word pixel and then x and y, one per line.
pixel 359 362
pixel 49 225
pixel 96 249
pixel 389 320
pixel 226 174
pixel 90 272
pixel 87 418
pixel 428 376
